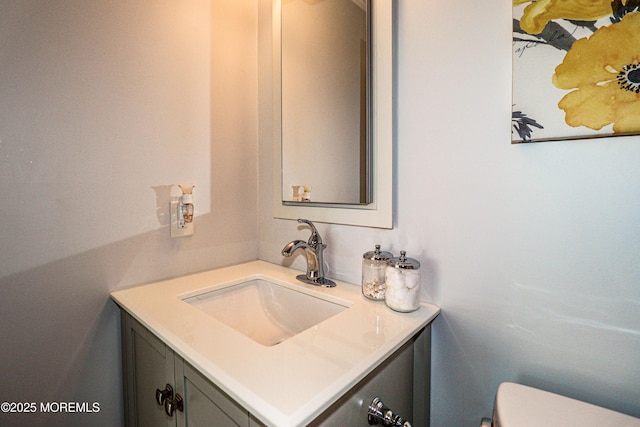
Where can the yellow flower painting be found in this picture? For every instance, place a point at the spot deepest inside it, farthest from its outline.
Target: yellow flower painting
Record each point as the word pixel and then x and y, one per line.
pixel 576 69
pixel 537 14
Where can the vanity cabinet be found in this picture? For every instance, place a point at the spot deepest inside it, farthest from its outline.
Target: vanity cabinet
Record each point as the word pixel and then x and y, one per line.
pixel 402 381
pixel 149 366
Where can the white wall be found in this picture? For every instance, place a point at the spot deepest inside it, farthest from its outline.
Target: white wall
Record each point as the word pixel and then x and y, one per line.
pixel 104 106
pixel 531 250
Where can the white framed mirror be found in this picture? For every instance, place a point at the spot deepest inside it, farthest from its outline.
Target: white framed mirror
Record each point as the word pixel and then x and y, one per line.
pixel 376 209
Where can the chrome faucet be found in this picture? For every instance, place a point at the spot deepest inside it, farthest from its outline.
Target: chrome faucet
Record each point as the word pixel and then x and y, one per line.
pixel 313 250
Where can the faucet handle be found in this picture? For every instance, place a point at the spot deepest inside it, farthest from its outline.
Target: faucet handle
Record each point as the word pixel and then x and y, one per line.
pixel 315 236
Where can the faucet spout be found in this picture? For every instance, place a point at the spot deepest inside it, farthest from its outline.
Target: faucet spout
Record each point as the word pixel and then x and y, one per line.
pixel 313 249
pixel 293 246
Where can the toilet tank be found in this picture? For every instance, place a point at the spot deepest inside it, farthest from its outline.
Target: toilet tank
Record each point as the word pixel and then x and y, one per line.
pixel 517 405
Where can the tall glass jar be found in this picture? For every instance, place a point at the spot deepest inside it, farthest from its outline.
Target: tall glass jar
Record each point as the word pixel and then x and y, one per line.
pixel 373 266
pixel 402 278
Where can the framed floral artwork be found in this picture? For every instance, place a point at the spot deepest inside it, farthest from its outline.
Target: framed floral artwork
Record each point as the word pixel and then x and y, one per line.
pixel 576 69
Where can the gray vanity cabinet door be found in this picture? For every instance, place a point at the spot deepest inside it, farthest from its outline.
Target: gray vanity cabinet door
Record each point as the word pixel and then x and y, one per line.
pixel 205 404
pixel 148 366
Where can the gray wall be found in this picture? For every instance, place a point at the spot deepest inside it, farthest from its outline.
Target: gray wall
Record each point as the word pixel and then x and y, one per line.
pixel 531 250
pixel 104 106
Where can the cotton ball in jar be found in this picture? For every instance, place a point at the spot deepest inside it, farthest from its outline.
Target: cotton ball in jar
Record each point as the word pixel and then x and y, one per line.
pixel 402 277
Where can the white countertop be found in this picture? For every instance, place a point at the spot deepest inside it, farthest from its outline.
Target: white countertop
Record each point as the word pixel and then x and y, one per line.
pixel 288 384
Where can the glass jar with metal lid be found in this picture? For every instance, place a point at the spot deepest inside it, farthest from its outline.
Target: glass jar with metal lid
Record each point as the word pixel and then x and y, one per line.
pixel 402 278
pixel 373 271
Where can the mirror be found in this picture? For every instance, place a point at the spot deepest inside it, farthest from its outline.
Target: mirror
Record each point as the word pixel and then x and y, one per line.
pixel 355 185
pixel 324 60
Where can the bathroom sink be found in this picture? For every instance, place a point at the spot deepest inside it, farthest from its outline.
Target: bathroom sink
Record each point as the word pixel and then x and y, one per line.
pixel 265 311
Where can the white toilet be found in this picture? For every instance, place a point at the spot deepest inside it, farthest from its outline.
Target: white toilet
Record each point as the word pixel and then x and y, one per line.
pixel 517 405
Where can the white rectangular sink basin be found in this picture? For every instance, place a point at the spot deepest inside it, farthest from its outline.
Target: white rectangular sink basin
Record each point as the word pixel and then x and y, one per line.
pixel 265 311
